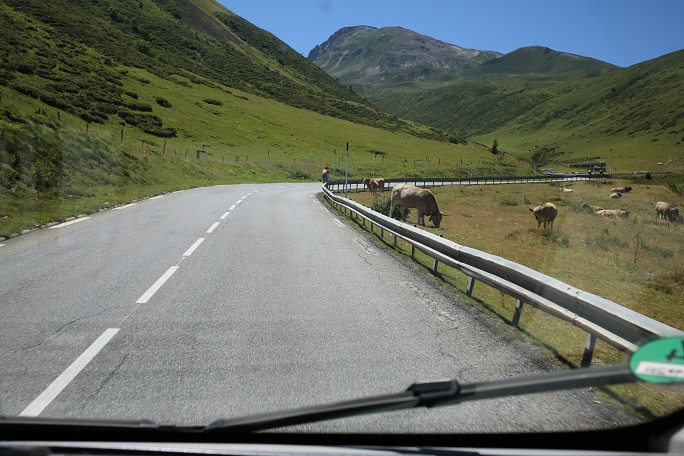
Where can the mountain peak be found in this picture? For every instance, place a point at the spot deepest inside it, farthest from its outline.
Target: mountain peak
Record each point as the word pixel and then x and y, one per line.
pixel 362 53
pixel 542 62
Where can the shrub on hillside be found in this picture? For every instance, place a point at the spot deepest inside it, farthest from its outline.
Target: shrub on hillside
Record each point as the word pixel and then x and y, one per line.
pixel 26 90
pixel 56 101
pixel 299 174
pixel 163 102
pixel 149 123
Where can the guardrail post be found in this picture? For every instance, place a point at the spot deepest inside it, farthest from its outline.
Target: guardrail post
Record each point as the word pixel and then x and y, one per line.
pixel 413 252
pixel 395 240
pixel 518 311
pixel 471 285
pixel 588 350
pixel 434 267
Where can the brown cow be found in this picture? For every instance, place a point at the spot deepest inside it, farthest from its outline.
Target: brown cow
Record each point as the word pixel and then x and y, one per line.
pixel 374 184
pixel 546 214
pixel 613 213
pixel 621 189
pixel 407 196
pixel 616 195
pixel 667 211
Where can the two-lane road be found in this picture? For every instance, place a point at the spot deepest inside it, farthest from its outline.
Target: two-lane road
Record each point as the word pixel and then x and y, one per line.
pixel 232 300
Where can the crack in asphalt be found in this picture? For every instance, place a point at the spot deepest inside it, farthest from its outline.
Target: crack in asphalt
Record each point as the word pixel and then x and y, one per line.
pixel 61 328
pixel 110 376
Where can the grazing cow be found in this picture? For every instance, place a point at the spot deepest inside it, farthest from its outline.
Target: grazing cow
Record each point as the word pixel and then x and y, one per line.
pixel 616 195
pixel 546 214
pixel 621 189
pixel 593 208
pixel 667 211
pixel 566 190
pixel 407 196
pixel 614 213
pixel 374 184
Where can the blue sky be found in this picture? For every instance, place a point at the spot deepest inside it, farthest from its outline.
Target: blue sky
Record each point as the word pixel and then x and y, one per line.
pixel 621 32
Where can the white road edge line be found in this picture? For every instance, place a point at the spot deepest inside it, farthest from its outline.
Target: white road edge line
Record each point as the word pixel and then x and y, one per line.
pixel 232 207
pixel 125 206
pixel 157 197
pixel 338 223
pixel 193 247
pixel 213 227
pixel 61 382
pixel 225 215
pixel 71 222
pixel 157 285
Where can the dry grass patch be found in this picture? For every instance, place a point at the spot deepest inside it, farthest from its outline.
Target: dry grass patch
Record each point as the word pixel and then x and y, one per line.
pixel 635 262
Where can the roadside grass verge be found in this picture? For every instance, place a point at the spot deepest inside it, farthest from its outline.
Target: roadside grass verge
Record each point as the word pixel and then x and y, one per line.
pixel 637 262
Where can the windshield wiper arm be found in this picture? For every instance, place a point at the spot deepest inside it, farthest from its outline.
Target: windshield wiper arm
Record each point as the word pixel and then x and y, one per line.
pixel 430 394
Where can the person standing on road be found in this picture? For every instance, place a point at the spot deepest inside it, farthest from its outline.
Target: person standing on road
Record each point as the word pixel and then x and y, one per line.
pixel 324 175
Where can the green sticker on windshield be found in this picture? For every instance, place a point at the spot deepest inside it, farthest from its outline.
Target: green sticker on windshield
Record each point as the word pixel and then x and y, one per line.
pixel 659 361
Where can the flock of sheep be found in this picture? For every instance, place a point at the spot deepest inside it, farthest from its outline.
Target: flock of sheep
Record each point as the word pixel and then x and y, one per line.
pixel 406 196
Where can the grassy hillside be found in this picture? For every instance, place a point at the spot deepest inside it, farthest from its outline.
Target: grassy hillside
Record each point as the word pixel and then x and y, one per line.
pixel 540 63
pixel 67 54
pixel 464 108
pixel 633 118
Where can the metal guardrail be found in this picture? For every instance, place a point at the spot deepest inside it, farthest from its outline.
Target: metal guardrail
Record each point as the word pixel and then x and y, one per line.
pixel 601 318
pixel 357 184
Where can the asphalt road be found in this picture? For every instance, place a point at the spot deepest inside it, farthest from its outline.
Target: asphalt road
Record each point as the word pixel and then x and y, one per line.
pixel 233 300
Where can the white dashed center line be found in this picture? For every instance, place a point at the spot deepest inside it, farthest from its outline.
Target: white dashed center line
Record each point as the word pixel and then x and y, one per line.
pixel 61 382
pixel 193 247
pixel 157 285
pixel 57 386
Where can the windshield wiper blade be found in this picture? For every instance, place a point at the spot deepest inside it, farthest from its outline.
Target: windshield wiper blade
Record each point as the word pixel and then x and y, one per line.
pixel 430 394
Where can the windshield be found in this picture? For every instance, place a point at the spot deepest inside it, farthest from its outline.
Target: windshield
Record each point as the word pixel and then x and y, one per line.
pixel 217 209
